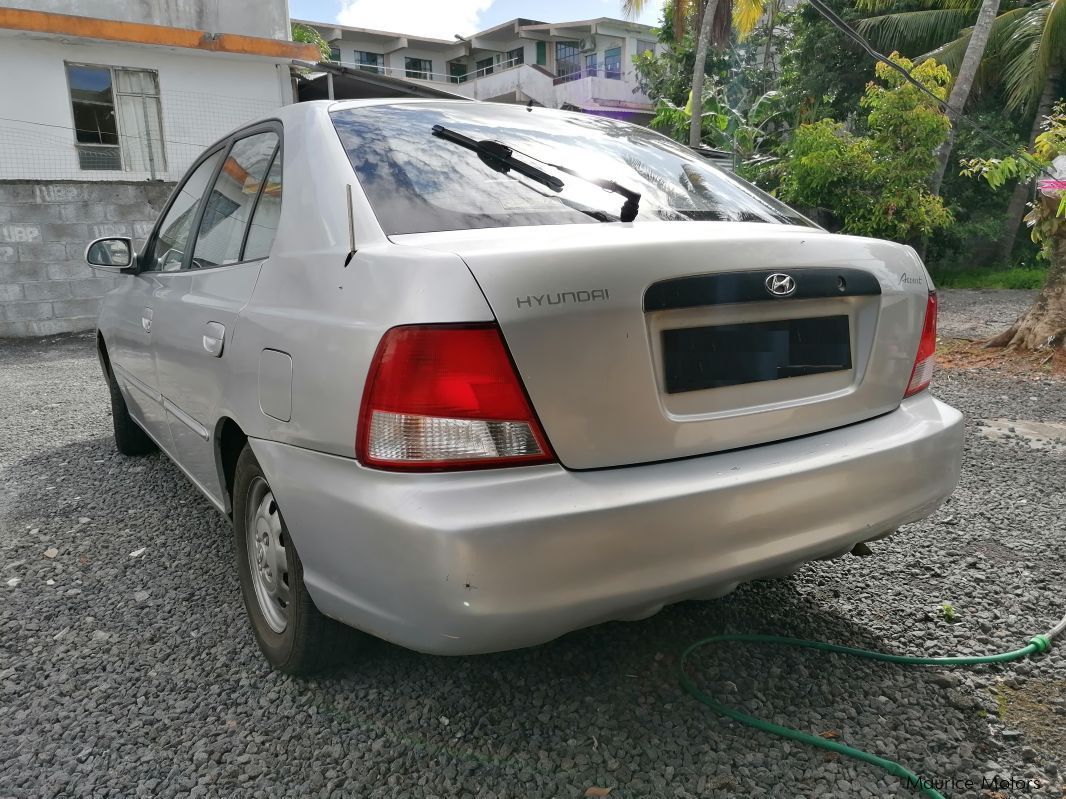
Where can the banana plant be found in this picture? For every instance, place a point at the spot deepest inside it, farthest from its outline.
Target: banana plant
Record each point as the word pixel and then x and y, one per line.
pixel 749 134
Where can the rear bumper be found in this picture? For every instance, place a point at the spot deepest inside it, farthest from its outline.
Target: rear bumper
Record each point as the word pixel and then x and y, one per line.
pixel 474 562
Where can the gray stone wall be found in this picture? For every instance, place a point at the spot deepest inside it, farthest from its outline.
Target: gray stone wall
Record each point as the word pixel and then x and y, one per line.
pixel 45 285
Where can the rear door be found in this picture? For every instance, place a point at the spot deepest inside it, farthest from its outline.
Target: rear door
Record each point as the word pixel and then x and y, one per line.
pixel 196 318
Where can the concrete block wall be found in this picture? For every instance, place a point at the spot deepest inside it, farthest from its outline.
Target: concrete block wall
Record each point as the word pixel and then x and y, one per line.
pixel 45 285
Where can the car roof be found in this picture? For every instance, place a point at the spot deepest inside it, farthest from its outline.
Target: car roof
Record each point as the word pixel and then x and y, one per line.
pixel 341 105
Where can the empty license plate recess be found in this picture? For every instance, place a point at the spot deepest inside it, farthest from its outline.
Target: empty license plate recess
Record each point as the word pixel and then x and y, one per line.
pixel 697 358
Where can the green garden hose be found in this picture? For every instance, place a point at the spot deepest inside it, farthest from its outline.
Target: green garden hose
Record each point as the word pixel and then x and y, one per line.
pixel 1037 644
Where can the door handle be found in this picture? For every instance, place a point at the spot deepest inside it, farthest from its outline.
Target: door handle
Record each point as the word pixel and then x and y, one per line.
pixel 146 320
pixel 214 339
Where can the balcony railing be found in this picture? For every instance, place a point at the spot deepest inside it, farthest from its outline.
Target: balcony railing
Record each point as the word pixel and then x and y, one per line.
pixel 483 71
pixel 588 72
pixel 439 77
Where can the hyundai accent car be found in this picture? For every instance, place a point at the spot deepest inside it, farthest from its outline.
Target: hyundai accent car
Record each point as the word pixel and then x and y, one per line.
pixel 469 376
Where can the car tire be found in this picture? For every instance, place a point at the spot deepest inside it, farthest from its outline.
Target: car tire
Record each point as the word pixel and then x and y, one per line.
pixel 130 439
pixel 291 632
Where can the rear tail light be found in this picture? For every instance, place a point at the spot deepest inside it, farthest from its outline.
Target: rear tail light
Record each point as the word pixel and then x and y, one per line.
pixel 446 397
pixel 922 374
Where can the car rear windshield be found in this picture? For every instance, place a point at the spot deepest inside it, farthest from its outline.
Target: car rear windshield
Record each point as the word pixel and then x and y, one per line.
pixel 419 182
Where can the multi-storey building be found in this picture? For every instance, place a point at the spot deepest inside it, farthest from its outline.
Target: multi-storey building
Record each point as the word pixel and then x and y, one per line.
pixel 585 65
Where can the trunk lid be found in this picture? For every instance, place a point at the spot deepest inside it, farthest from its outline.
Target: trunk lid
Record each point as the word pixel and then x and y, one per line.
pixel 664 340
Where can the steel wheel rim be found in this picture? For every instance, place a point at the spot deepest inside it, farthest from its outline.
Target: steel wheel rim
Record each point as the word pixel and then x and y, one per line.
pixel 268 560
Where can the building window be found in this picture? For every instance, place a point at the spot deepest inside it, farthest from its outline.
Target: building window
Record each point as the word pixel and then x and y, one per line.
pixel 542 53
pixel 515 57
pixel 484 67
pixel 118 123
pixel 420 68
pixel 95 118
pixel 368 62
pixel 645 47
pixel 566 59
pixel 612 63
pixel 591 65
pixel 334 53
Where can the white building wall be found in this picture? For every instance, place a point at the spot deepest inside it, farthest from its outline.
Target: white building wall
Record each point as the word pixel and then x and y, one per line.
pixel 348 48
pixel 525 83
pixel 203 96
pixel 398 60
pixel 265 18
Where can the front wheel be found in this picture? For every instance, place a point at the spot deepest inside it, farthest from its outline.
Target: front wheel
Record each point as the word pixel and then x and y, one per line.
pixel 292 634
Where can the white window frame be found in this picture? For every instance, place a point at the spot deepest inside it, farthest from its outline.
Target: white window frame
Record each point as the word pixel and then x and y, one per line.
pixel 419 73
pixel 376 66
pixel 156 170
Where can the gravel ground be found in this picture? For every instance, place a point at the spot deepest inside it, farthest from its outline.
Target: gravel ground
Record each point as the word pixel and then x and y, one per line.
pixel 979 314
pixel 127 669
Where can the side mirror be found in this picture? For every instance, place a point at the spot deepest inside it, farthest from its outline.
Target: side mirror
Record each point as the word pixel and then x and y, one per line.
pixel 110 254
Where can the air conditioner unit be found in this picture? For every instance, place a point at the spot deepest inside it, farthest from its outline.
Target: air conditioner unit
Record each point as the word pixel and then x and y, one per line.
pixel 588 44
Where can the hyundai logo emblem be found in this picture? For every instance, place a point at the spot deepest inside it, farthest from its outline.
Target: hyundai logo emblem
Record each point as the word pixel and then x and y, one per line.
pixel 780 285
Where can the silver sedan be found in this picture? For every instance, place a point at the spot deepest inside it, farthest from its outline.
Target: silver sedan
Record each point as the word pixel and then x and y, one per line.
pixel 469 376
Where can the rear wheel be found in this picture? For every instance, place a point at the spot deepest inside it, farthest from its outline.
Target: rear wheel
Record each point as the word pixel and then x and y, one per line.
pixel 130 439
pixel 292 634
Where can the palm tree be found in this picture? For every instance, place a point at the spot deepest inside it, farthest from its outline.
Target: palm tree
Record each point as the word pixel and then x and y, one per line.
pixel 712 21
pixel 963 83
pixel 1026 49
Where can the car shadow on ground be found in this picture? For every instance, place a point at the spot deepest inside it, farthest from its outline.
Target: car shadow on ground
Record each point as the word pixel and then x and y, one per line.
pixel 150 564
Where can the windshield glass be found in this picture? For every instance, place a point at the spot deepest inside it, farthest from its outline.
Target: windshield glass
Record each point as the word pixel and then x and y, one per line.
pixel 417 182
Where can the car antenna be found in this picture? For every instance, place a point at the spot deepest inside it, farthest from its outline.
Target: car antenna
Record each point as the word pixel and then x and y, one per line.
pixel 529 105
pixel 352 250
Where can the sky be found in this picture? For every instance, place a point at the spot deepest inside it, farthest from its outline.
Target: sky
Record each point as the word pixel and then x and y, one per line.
pixel 445 18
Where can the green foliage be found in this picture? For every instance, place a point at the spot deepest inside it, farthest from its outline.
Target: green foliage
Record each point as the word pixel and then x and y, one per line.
pixel 875 184
pixel 917 26
pixel 1047 215
pixel 1024 48
pixel 672 119
pixel 947 613
pixel 1028 278
pixel 739 114
pixel 1002 705
pixel 998 171
pixel 845 172
pixel 978 209
pixel 823 74
pixel 308 35
pixel 669 74
pixel 751 135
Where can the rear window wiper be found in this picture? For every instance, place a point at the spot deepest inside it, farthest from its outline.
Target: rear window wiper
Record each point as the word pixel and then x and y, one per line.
pixel 500 157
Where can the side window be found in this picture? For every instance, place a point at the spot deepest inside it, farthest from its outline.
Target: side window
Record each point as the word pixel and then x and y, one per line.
pixel 168 249
pixel 266 216
pixel 232 200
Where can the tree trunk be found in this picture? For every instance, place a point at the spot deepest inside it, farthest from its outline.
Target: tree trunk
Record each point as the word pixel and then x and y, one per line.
pixel 960 89
pixel 768 52
pixel 1044 324
pixel 695 128
pixel 1016 208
